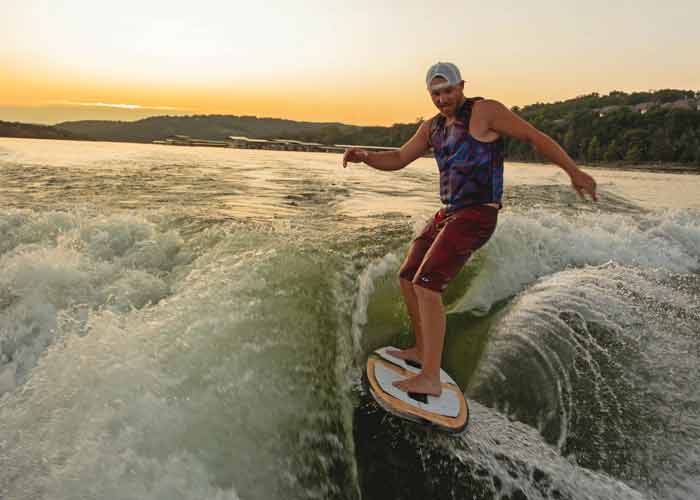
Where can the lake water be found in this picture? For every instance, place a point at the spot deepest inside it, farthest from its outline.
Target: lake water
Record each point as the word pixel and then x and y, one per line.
pixel 189 323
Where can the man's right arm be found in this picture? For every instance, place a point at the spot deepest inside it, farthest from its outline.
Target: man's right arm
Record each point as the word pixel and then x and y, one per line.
pixel 392 160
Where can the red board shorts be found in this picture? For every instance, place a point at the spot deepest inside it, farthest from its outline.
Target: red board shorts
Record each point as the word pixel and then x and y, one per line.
pixel 445 244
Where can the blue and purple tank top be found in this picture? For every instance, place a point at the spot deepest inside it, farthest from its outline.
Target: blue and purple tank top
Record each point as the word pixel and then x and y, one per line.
pixel 471 171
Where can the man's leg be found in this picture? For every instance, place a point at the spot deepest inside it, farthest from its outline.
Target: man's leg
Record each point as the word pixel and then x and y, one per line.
pixel 408 270
pixel 414 353
pixel 432 320
pixel 459 237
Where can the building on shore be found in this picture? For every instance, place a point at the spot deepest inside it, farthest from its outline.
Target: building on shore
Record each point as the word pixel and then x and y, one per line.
pixel 690 104
pixel 607 110
pixel 185 140
pixel 643 107
pixel 248 143
pixel 292 145
pixel 281 145
pixel 269 144
pixel 368 148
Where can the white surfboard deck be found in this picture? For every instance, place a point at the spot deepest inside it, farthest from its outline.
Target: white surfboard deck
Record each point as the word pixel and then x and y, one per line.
pixel 383 352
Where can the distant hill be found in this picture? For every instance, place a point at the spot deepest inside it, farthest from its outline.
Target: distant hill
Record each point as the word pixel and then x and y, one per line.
pixel 219 127
pixel 27 130
pixel 638 127
pixel 214 127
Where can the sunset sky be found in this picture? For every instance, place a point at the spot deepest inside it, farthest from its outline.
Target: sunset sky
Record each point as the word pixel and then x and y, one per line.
pixel 360 62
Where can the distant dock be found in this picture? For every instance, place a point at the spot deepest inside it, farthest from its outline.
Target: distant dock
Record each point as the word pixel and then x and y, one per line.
pixel 269 144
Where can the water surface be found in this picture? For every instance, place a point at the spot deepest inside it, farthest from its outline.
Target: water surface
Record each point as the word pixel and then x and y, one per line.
pixel 193 322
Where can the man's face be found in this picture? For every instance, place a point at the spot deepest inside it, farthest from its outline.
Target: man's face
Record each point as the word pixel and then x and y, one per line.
pixel 446 98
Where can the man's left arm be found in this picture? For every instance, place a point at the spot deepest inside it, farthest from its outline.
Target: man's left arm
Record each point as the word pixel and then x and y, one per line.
pixel 505 122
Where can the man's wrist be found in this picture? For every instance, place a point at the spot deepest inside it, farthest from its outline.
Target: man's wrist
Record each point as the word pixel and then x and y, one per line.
pixel 569 168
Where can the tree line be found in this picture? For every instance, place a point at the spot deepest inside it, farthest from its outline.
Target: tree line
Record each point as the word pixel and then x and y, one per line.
pixel 592 128
pixel 28 130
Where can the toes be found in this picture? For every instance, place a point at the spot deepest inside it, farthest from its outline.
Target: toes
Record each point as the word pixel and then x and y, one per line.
pixel 399 383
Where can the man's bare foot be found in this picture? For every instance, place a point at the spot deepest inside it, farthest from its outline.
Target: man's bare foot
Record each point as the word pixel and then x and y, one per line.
pixel 410 354
pixel 421 384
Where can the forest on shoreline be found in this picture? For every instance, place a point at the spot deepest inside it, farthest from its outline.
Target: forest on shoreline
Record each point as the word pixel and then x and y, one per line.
pixel 641 127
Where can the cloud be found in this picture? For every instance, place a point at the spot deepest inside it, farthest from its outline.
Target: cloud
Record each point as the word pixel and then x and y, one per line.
pixel 64 102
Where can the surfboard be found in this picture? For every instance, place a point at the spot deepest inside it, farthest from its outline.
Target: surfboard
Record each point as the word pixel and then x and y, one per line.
pixel 448 412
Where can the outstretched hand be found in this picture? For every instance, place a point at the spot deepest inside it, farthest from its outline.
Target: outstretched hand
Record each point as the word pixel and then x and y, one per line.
pixel 583 184
pixel 354 155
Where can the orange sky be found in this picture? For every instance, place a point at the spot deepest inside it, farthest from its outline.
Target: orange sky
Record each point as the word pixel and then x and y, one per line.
pixel 361 62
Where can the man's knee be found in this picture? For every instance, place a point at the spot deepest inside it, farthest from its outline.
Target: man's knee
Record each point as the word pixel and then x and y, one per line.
pixel 425 290
pixel 405 283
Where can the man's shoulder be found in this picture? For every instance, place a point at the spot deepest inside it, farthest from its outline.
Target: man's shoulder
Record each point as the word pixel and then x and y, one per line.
pixel 431 123
pixel 486 108
pixel 486 104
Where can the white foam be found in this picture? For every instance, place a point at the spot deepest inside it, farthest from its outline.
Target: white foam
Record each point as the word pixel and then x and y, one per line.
pixel 365 286
pixel 213 391
pixel 599 360
pixel 537 243
pixel 57 267
pixel 515 454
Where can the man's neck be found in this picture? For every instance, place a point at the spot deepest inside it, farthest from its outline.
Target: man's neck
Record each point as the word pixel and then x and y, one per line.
pixel 451 119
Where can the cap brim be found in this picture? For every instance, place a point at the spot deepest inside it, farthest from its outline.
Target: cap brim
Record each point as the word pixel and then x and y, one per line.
pixel 443 85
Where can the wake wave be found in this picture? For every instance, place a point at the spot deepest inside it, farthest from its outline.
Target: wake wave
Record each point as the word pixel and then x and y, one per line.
pixel 598 360
pixel 538 243
pixel 217 361
pixel 594 314
pixel 57 268
pixel 157 366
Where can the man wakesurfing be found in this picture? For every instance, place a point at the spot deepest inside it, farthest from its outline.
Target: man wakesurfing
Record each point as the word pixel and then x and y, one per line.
pixel 467 140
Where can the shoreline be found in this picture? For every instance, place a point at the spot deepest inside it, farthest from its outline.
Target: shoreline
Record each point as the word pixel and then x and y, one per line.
pixel 670 168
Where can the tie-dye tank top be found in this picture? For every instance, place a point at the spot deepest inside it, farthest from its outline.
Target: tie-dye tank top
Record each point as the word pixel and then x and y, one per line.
pixel 471 171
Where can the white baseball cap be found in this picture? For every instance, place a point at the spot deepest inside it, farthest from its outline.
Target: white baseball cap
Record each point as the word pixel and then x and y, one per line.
pixel 446 70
